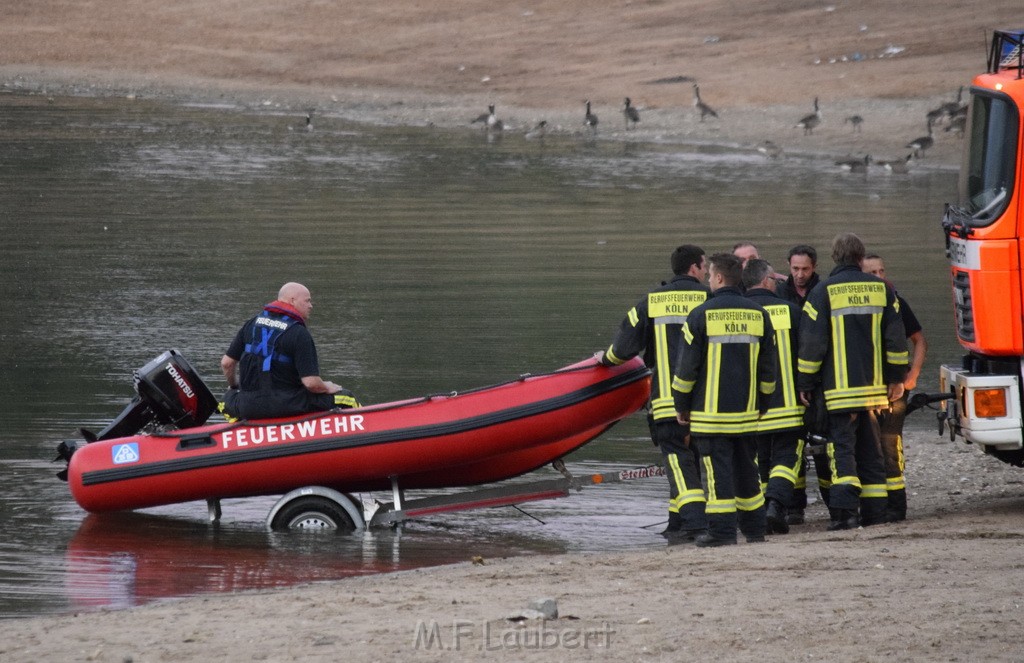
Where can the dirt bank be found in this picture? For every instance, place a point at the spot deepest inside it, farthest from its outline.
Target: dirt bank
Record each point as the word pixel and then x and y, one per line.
pixel 759 66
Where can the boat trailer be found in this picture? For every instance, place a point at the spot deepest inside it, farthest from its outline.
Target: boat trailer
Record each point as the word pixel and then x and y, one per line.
pixel 321 508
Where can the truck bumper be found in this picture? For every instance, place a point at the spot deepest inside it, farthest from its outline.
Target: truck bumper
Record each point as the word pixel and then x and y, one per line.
pixel 987 408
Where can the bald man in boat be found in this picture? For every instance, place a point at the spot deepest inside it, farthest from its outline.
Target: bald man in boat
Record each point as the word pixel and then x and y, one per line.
pixel 271 366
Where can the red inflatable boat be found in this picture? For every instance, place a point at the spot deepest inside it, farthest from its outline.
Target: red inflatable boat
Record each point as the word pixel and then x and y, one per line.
pixel 458 439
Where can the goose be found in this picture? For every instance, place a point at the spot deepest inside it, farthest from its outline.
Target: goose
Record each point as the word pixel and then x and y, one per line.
pixel 855 165
pixel 920 145
pixel 856 121
pixel 538 131
pixel 900 166
pixel 630 113
pixel 489 119
pixel 590 119
pixel 702 107
pixel 770 149
pixel 950 108
pixel 808 122
pixel 309 121
pixel 957 125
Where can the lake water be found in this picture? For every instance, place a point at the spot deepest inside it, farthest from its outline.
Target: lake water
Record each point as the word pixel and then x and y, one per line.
pixel 438 260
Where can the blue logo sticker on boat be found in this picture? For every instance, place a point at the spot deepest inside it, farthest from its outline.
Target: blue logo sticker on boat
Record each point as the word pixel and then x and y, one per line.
pixel 126 453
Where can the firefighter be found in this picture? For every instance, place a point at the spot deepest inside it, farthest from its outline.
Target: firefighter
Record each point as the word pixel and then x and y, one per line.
pixel 779 431
pixel 852 343
pixel 803 263
pixel 653 327
pixel 891 423
pixel 722 381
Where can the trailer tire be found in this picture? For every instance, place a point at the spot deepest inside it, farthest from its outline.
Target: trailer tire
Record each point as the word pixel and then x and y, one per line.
pixel 312 513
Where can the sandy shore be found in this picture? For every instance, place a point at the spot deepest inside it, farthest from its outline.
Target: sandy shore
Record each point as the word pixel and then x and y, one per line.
pixel 943 586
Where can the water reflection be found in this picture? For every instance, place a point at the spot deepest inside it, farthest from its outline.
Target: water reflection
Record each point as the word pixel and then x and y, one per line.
pixel 437 260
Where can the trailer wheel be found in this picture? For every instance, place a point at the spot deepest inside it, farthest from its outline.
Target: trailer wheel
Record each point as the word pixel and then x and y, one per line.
pixel 312 513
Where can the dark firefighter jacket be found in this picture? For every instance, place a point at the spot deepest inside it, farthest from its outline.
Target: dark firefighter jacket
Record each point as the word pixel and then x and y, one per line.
pixel 726 367
pixel 785 411
pixel 654 326
pixel 852 341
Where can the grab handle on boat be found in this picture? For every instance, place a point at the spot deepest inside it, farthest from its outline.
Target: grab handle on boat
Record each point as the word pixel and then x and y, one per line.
pixel 187 442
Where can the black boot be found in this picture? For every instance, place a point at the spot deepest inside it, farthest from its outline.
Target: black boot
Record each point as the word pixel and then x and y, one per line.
pixel 682 536
pixel 843 519
pixel 675 523
pixel 707 540
pixel 775 516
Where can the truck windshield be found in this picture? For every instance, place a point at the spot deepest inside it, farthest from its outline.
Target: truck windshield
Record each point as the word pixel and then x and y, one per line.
pixel 986 176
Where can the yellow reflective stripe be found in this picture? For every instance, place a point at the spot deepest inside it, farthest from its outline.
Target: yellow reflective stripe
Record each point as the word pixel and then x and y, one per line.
pixel 610 356
pixel 783 472
pixel 712 371
pixel 846 481
pixel 684 386
pixel 687 334
pixel 725 417
pixel 873 490
pixel 857 397
pixel 709 473
pixel 895 483
pixel 633 316
pixel 770 425
pixel 785 365
pixel 808 367
pixel 662 360
pixel 712 428
pixel 750 503
pixel 839 351
pixel 767 388
pixel 224 413
pixel 345 400
pixel 752 371
pixel 720 506
pixel 663 408
pixel 876 344
pixel 898 358
pixel 686 494
pixel 811 312
pixel 866 390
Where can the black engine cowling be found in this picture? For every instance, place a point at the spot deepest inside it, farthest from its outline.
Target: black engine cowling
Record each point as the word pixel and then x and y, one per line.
pixel 170 392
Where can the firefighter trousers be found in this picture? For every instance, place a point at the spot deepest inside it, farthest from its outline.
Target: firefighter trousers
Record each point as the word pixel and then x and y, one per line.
pixel 856 466
pixel 891 425
pixel 734 486
pixel 779 463
pixel 686 495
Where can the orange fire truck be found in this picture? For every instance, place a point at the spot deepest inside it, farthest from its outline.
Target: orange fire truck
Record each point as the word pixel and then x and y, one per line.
pixel 985 246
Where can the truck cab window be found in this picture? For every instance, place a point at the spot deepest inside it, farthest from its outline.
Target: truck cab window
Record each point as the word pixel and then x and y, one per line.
pixel 986 178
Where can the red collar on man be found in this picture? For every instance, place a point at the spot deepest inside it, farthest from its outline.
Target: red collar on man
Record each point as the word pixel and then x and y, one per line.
pixel 282 308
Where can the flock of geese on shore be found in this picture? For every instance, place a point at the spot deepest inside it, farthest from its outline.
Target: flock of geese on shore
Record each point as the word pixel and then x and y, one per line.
pixel 952 114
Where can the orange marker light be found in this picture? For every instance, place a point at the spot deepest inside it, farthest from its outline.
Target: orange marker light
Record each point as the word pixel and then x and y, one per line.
pixel 990 402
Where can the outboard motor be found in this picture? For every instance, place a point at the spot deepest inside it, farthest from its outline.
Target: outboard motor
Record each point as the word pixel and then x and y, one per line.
pixel 170 393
